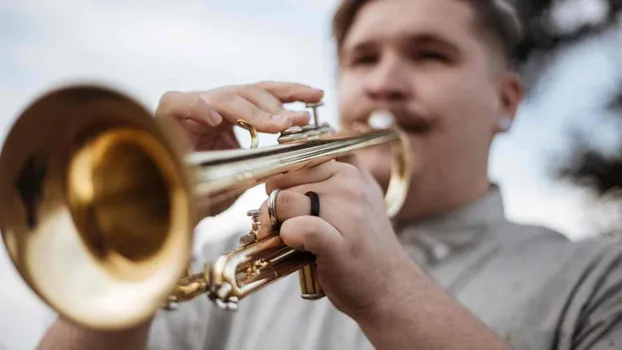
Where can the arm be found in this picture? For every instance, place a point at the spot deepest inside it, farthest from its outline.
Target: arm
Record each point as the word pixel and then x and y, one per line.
pixel 68 336
pixel 362 266
pixel 424 315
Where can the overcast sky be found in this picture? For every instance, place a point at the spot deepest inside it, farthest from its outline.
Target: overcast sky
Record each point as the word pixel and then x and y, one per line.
pixel 147 47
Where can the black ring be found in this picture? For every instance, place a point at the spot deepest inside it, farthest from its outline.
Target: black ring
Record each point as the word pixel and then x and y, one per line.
pixel 315 203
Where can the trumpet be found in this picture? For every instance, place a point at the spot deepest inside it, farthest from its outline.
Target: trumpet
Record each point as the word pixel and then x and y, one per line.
pixel 99 201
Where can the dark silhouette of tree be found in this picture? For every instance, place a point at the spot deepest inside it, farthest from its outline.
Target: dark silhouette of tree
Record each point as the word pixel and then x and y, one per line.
pixel 588 166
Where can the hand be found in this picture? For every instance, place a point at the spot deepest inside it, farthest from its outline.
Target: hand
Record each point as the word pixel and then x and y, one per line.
pixel 207 118
pixel 361 264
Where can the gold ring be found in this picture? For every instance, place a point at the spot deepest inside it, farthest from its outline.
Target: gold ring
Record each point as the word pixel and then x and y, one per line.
pixel 272 208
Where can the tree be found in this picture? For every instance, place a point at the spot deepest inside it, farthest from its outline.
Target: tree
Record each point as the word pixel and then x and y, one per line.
pixel 589 167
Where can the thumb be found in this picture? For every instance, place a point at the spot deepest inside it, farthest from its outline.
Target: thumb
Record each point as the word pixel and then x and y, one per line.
pixel 312 234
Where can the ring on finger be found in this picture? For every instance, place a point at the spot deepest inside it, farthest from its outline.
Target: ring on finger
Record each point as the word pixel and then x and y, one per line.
pixel 272 208
pixel 315 203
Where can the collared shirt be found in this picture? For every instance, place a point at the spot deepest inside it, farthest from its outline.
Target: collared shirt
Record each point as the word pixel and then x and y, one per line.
pixel 530 285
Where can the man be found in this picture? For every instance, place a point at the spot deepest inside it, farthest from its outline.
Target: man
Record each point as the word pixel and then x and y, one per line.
pixel 450 272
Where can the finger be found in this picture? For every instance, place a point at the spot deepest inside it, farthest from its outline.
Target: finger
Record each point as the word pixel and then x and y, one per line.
pixel 288 204
pixel 271 104
pixel 292 92
pixel 309 175
pixel 355 161
pixel 187 105
pixel 312 234
pixel 234 107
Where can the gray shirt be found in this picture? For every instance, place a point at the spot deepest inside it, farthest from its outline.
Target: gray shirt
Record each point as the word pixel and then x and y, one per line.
pixel 530 285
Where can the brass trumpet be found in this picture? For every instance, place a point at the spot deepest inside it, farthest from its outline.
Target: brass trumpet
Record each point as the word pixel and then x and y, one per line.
pixel 99 201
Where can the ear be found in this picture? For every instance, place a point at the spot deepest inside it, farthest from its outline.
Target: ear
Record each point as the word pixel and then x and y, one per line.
pixel 511 94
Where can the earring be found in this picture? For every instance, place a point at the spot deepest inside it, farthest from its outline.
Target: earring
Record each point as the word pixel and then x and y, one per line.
pixel 505 123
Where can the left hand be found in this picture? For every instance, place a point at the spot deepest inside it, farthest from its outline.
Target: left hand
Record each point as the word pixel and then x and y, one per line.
pixel 360 261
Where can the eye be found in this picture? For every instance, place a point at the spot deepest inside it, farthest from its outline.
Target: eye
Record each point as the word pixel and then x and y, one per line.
pixel 363 60
pixel 431 55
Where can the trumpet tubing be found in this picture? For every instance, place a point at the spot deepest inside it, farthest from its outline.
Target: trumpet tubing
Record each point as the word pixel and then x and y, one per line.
pixel 99 201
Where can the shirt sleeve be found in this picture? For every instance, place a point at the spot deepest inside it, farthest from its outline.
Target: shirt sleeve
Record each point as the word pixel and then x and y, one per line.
pixel 592 317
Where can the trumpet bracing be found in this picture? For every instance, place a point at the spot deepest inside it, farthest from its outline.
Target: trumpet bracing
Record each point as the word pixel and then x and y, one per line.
pixel 99 200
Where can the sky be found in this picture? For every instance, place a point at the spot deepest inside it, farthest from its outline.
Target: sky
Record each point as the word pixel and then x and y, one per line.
pixel 144 48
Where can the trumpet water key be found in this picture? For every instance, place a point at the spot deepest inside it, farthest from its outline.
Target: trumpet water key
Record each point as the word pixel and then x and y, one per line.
pixel 99 201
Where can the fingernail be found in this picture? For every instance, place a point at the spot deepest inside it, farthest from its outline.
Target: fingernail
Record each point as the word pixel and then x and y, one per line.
pixel 280 119
pixel 214 118
pixel 300 116
pixel 303 114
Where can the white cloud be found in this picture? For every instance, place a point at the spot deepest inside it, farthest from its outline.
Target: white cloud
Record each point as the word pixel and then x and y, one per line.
pixel 572 14
pixel 147 49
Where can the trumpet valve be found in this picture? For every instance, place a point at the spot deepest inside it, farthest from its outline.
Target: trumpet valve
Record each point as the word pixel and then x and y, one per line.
pixel 291 138
pixel 307 132
pixel 222 298
pixel 291 130
pixel 314 107
pixel 251 236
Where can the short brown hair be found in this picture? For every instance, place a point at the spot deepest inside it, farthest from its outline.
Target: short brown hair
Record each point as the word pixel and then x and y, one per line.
pixel 497 21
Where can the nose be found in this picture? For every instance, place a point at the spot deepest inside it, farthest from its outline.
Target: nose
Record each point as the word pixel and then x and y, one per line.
pixel 388 81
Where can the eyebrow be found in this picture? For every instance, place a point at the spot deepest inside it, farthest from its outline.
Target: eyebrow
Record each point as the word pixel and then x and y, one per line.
pixel 432 39
pixel 409 40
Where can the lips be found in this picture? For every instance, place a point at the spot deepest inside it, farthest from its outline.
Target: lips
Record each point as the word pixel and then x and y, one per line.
pixel 415 128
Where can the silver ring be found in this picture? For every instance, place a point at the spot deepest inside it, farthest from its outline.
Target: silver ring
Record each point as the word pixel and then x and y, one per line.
pixel 272 208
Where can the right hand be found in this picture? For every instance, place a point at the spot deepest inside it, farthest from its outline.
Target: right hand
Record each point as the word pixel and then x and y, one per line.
pixel 207 117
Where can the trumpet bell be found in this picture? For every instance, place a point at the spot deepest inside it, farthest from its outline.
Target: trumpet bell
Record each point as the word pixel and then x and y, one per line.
pixel 99 201
pixel 96 209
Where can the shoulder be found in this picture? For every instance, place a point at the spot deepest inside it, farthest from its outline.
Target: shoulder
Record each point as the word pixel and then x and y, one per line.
pixel 544 249
pixel 522 236
pixel 572 289
pixel 516 233
pixel 579 297
pixel 593 288
pixel 530 247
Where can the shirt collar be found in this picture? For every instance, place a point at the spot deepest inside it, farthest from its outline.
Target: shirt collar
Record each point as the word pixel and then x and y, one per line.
pixel 437 237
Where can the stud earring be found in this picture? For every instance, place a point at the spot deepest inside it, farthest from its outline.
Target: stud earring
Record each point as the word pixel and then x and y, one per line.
pixel 505 123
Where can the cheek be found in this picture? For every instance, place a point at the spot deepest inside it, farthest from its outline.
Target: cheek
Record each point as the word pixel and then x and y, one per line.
pixel 463 104
pixel 350 98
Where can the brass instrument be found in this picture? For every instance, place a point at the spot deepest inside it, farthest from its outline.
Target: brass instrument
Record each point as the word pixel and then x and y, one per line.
pixel 99 201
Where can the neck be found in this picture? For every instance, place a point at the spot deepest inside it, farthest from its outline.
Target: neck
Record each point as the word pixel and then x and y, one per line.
pixel 425 200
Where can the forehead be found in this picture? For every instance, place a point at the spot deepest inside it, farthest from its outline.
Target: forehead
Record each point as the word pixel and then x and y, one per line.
pixel 387 20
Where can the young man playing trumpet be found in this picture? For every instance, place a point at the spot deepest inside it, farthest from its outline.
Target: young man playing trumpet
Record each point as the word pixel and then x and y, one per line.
pixel 450 272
